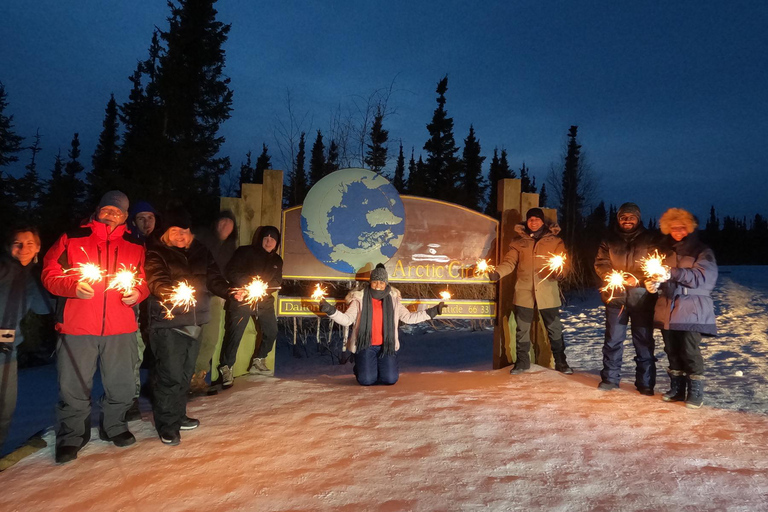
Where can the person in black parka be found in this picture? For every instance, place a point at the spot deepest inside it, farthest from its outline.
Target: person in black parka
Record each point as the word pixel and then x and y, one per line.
pixel 175 335
pixel 258 259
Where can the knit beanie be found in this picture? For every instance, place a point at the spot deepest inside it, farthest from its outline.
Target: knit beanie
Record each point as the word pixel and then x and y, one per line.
pixel 535 212
pixel 177 217
pixel 629 208
pixel 115 198
pixel 379 273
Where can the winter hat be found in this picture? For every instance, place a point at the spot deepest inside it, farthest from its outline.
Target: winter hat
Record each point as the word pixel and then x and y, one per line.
pixel 379 273
pixel 141 207
pixel 115 198
pixel 535 212
pixel 629 208
pixel 677 216
pixel 177 217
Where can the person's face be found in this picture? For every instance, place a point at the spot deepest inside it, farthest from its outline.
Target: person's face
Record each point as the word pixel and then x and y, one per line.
pixel 678 231
pixel 268 243
pixel 224 228
pixel 534 223
pixel 628 221
pixel 24 247
pixel 145 222
pixel 179 237
pixel 111 216
pixel 378 285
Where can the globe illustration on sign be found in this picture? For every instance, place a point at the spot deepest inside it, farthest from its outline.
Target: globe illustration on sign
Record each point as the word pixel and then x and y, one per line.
pixel 353 219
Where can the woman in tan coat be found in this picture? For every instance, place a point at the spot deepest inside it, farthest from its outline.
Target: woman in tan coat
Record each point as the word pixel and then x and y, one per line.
pixel 534 288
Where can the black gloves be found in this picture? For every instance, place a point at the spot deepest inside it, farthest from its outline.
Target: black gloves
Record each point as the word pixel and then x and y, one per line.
pixel 327 308
pixel 494 276
pixel 435 310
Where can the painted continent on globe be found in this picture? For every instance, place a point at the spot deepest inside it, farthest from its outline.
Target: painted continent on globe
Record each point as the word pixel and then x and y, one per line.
pixel 353 219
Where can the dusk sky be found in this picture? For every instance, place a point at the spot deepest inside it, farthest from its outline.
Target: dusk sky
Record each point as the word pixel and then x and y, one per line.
pixel 671 98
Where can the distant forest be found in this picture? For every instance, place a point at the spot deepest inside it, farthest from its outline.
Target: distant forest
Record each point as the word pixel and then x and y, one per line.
pixel 162 143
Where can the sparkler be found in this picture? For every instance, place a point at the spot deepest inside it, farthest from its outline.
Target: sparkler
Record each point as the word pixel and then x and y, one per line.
pixel 319 292
pixel 182 296
pixel 124 280
pixel 89 272
pixel 254 291
pixel 653 266
pixel 445 295
pixel 482 267
pixel 555 264
pixel 614 282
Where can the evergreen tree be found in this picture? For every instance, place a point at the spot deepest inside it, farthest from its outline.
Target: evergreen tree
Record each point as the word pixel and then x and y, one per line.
pixel 246 173
pixel 412 176
pixel 399 179
pixel 28 188
pixel 494 175
pixel 54 204
pixel 526 185
pixel 103 176
pixel 262 164
pixel 73 189
pixel 473 184
pixel 613 211
pixel 442 169
pixel 332 162
pixel 504 169
pixel 543 198
pixel 10 145
pixel 297 185
pixel 317 164
pixel 376 156
pixel 571 201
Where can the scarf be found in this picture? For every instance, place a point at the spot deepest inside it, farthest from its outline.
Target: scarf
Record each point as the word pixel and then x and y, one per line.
pixel 365 320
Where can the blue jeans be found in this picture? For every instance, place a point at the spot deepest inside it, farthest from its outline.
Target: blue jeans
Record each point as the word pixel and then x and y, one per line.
pixel 616 321
pixel 371 369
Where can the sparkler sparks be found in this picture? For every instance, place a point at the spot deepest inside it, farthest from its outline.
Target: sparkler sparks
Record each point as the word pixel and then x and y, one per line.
pixel 653 266
pixel 182 296
pixel 614 282
pixel 254 291
pixel 89 272
pixel 319 292
pixel 445 295
pixel 482 268
pixel 555 264
pixel 124 280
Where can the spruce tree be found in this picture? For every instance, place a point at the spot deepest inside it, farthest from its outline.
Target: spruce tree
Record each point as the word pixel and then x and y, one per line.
pixel 332 162
pixel 526 185
pixel 297 183
pixel 399 179
pixel 473 185
pixel 412 176
pixel 317 164
pixel 543 198
pixel 73 189
pixel 376 156
pixel 262 164
pixel 103 176
pixel 28 188
pixel 494 175
pixel 10 146
pixel 571 201
pixel 442 169
pixel 246 173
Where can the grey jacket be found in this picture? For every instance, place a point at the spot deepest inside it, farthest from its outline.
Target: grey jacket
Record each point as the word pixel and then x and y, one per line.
pixel 354 302
pixel 685 301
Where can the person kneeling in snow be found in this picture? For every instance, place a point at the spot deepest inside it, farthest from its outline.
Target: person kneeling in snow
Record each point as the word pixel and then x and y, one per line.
pixel 376 310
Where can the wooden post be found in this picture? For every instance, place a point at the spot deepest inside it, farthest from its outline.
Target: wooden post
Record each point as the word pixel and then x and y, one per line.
pixel 504 334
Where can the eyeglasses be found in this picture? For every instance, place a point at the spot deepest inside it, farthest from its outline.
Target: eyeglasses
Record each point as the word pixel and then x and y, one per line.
pixel 111 212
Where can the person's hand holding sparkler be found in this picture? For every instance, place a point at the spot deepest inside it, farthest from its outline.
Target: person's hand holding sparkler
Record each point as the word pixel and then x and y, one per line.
pixel 483 268
pixel 555 264
pixel 319 292
pixel 182 296
pixel 252 292
pixel 125 281
pixel 87 275
pixel 614 282
pixel 445 295
pixel 654 268
pixel 83 290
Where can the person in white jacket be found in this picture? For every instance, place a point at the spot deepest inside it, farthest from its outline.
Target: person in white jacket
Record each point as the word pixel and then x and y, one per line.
pixel 376 311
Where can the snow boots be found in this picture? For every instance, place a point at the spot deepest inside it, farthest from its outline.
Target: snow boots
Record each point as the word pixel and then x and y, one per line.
pixel 227 380
pixel 198 386
pixel 677 384
pixel 561 365
pixel 259 367
pixel 695 397
pixel 134 413
pixel 523 364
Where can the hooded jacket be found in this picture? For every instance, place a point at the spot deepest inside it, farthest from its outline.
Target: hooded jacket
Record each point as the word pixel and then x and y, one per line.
pixel 222 250
pixel 623 251
pixel 528 257
pixel 167 266
pixel 252 260
pixel 104 314
pixel 354 302
pixel 20 292
pixel 685 301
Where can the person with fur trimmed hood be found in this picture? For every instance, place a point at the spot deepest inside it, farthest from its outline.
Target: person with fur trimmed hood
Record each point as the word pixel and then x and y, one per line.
pixel 684 309
pixel 621 250
pixel 376 310
pixel 176 257
pixel 258 259
pixel 527 256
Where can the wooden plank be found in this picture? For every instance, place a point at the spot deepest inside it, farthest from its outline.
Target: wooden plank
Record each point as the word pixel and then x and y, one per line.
pixel 508 195
pixel 528 201
pixel 251 215
pixel 272 198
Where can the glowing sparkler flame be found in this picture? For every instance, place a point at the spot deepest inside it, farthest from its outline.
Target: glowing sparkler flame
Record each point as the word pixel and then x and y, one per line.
pixel 445 295
pixel 89 272
pixel 614 282
pixel 182 296
pixel 254 291
pixel 319 292
pixel 482 267
pixel 555 264
pixel 124 280
pixel 653 265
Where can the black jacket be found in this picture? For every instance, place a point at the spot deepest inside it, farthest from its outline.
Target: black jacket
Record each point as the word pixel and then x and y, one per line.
pixel 166 266
pixel 623 251
pixel 250 261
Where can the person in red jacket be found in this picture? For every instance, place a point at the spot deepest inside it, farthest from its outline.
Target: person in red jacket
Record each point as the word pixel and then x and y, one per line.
pixel 97 325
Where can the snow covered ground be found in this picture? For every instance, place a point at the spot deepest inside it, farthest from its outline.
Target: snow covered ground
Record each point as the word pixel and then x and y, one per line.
pixel 451 435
